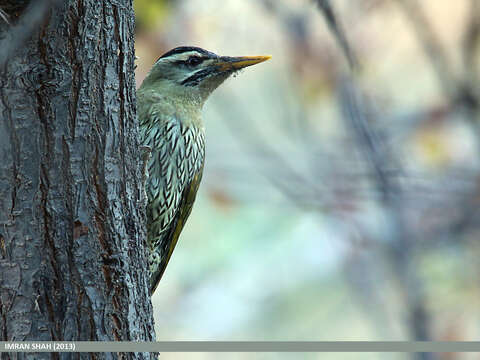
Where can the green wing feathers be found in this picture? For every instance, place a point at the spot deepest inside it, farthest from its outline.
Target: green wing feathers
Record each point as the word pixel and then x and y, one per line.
pixel 170 236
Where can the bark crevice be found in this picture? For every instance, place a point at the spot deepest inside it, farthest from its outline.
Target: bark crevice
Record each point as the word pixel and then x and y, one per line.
pixel 72 237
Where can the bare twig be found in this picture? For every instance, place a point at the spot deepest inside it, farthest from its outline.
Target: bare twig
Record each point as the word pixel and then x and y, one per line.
pixel 368 141
pixel 401 242
pixel 471 48
pixel 471 37
pixel 327 10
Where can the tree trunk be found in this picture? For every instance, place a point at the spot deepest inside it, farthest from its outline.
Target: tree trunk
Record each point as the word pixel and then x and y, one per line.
pixel 72 240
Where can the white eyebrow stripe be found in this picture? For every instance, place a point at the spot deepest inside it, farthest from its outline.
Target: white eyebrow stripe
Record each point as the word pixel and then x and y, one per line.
pixel 184 56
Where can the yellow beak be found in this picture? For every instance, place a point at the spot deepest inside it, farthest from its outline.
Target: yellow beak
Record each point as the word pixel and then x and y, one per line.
pixel 234 63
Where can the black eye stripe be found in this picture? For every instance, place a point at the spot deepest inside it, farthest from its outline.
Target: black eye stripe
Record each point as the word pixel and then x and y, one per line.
pixel 192 60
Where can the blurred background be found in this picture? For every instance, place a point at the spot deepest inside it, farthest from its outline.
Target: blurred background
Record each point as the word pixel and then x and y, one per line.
pixel 342 180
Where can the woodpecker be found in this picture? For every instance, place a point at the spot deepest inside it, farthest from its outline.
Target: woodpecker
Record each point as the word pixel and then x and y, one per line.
pixel 170 102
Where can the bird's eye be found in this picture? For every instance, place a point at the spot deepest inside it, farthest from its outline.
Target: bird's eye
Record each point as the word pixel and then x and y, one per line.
pixel 194 60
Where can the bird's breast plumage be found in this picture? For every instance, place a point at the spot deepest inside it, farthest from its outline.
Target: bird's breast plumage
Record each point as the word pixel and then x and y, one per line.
pixel 175 167
pixel 177 154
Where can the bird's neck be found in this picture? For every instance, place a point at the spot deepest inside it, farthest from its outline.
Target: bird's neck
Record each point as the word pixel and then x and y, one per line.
pixel 185 105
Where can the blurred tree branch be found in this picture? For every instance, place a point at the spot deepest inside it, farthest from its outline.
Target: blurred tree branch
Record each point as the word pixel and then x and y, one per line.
pixel 418 213
pixel 404 238
pixel 327 10
pixel 460 90
pixel 471 49
pixel 431 45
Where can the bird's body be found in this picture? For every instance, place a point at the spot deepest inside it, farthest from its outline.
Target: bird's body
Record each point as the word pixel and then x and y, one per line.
pixel 174 172
pixel 170 102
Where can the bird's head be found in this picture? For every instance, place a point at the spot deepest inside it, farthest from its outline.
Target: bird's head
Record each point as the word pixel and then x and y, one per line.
pixel 194 72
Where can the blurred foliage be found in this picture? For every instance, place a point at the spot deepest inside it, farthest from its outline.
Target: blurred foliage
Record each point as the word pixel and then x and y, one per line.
pixel 150 13
pixel 337 203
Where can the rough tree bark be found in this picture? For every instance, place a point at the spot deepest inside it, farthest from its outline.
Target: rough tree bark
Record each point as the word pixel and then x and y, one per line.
pixel 72 240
